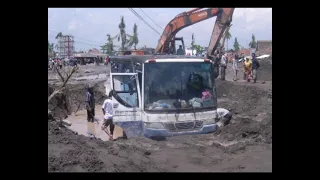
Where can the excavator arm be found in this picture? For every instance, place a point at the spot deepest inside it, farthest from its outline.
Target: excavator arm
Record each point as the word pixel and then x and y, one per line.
pixel 183 20
pixel 223 22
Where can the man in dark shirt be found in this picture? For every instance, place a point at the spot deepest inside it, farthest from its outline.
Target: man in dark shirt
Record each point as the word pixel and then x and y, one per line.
pixel 255 66
pixel 90 103
pixel 180 51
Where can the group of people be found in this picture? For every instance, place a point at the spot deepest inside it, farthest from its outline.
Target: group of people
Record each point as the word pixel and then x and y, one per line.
pixel 56 62
pixel 250 66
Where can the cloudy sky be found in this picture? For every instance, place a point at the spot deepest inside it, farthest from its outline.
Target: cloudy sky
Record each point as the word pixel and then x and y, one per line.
pixel 90 26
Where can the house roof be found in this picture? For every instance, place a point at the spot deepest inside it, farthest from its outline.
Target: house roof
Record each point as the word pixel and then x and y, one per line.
pixel 94 51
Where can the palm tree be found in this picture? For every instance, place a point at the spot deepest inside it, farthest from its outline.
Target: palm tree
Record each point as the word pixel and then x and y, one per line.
pixel 253 43
pixel 236 45
pixel 134 39
pixel 228 36
pixel 109 44
pixel 123 35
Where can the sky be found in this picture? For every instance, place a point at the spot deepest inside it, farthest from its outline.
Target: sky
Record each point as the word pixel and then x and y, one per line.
pixel 90 26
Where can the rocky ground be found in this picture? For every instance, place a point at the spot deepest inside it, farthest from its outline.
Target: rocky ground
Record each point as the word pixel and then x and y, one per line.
pixel 244 145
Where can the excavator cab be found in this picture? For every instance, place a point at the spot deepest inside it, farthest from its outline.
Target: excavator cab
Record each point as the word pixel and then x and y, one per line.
pixel 172 46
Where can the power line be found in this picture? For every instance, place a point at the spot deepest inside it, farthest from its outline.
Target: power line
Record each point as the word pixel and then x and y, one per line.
pixel 151 19
pixel 136 14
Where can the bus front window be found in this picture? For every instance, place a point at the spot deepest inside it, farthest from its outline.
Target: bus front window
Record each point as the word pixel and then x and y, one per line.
pixel 179 85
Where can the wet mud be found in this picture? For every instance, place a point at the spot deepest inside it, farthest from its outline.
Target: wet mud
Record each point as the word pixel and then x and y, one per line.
pixel 245 145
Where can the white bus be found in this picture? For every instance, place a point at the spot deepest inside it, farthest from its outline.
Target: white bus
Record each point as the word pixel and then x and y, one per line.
pixel 163 96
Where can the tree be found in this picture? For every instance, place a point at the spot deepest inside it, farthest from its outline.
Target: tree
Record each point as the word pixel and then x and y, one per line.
pixel 253 43
pixel 123 34
pixel 236 45
pixel 134 39
pixel 228 36
pixel 59 35
pixel 109 45
pixel 198 48
pixel 193 44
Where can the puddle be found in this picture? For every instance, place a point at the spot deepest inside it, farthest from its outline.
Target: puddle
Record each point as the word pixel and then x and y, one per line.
pixel 81 125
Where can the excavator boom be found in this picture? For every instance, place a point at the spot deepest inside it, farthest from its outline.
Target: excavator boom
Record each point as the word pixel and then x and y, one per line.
pixel 183 20
pixel 223 22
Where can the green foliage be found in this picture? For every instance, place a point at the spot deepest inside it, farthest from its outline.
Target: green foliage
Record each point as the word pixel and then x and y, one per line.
pixel 133 40
pixel 59 35
pixel 236 45
pixel 123 35
pixel 253 43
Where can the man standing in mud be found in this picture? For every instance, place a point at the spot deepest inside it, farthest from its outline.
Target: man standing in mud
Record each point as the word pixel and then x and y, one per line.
pixel 90 104
pixel 255 66
pixel 107 110
pixel 223 66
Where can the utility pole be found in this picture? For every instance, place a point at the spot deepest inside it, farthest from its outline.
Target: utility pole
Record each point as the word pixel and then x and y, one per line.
pixel 68 46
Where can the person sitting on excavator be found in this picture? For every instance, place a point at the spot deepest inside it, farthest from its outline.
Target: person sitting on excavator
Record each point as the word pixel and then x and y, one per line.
pixel 247 69
pixel 180 51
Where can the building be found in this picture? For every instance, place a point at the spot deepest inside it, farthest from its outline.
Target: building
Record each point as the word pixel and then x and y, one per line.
pixel 65 46
pixel 244 51
pixel 264 47
pixel 94 51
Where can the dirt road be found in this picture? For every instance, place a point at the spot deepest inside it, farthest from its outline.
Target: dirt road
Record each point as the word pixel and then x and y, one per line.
pixel 244 145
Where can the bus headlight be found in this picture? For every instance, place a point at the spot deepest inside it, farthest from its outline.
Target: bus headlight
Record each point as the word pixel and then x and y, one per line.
pixel 209 121
pixel 155 125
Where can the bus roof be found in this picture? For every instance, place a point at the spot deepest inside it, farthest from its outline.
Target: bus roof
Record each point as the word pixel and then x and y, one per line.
pixel 159 58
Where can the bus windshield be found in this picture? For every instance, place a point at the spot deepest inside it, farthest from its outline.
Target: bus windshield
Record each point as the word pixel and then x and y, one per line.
pixel 178 85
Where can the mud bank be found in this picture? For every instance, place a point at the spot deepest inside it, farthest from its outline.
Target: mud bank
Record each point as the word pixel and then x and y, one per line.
pixel 73 99
pixel 265 72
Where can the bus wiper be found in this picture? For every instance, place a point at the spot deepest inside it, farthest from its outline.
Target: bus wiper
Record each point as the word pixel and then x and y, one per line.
pixel 194 113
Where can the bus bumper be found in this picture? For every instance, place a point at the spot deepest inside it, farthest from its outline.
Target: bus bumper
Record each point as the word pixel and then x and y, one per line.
pixel 149 132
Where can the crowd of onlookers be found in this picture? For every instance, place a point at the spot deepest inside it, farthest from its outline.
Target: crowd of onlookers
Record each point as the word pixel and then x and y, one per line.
pixel 59 63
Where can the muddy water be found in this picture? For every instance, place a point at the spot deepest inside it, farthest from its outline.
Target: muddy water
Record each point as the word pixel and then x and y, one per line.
pixel 81 125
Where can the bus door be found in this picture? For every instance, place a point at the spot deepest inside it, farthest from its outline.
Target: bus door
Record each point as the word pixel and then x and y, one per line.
pixel 127 103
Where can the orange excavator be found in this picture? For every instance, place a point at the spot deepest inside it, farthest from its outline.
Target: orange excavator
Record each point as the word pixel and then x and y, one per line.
pixel 167 40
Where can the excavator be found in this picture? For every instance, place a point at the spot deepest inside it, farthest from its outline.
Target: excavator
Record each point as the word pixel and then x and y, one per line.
pixel 168 40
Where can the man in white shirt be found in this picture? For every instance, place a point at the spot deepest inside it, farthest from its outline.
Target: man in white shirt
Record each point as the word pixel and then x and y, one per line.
pixel 235 67
pixel 107 109
pixel 224 117
pixel 223 66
